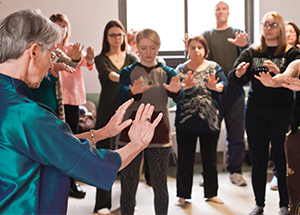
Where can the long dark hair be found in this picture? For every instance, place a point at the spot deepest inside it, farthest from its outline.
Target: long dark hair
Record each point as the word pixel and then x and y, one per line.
pixel 105 44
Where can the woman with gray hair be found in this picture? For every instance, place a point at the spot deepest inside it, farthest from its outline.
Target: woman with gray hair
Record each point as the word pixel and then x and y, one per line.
pixel 36 158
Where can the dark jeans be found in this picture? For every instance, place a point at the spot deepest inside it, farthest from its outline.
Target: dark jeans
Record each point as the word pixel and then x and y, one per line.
pixel 232 109
pixel 72 117
pixel 265 125
pixel 186 155
pixel 103 197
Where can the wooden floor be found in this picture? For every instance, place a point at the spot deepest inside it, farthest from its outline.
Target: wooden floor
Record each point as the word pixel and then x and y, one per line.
pixel 237 200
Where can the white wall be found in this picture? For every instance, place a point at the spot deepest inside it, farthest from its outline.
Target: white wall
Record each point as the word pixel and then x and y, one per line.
pixel 87 17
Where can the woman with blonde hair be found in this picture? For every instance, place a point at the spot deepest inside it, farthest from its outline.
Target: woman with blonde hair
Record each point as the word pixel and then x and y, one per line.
pixel 268 111
pixel 148 81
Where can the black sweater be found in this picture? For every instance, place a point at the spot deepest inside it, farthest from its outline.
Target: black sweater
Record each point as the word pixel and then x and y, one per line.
pixel 259 95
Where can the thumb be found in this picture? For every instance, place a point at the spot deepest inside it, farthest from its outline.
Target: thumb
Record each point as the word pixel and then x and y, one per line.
pixel 231 40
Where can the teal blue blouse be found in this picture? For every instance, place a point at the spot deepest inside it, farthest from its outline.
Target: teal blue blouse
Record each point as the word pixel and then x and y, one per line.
pixel 38 154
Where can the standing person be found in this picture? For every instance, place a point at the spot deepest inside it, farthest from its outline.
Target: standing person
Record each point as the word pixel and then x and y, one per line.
pixel 109 62
pixel 290 80
pixel 269 111
pixel 198 116
pixel 224 50
pixel 72 84
pixel 36 158
pixel 292 36
pixel 149 81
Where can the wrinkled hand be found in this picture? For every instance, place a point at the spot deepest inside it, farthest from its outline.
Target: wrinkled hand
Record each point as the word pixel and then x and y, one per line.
pixel 266 79
pixel 186 39
pixel 211 82
pixel 240 39
pixel 115 125
pixel 137 87
pixel 292 83
pixel 174 85
pixel 271 66
pixel 90 56
pixel 142 130
pixel 189 80
pixel 60 67
pixel 75 52
pixel 241 69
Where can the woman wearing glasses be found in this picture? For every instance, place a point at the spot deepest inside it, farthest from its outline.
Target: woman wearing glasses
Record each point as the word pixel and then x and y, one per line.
pixel 109 62
pixel 268 111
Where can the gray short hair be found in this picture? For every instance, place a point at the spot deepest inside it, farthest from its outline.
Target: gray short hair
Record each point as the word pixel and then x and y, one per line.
pixel 23 28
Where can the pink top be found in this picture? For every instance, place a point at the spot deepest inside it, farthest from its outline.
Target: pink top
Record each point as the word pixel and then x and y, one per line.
pixel 72 84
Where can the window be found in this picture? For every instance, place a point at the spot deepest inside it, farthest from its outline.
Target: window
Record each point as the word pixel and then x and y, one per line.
pixel 173 18
pixel 201 15
pixel 166 17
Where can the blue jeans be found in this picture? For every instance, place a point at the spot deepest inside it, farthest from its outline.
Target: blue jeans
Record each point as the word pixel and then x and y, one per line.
pixel 265 125
pixel 232 109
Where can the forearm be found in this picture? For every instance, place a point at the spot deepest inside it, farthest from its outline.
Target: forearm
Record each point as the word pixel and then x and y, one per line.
pixel 128 153
pixel 113 76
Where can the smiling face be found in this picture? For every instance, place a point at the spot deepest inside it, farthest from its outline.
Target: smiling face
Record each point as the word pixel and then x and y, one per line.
pixel 222 13
pixel 148 51
pixel 291 35
pixel 270 30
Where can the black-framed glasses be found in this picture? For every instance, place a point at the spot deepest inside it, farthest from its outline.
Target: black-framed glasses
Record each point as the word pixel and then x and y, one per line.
pixel 273 25
pixel 116 35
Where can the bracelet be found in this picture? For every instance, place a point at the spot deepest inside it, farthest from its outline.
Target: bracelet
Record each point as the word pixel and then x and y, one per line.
pixel 92 135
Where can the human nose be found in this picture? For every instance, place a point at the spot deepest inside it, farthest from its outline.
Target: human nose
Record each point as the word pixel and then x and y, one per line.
pixel 148 51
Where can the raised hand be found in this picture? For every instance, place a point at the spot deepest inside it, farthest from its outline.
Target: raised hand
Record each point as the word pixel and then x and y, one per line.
pixel 142 130
pixel 189 80
pixel 240 39
pixel 186 39
pixel 266 79
pixel 90 56
pixel 241 69
pixel 75 52
pixel 271 66
pixel 137 87
pixel 292 83
pixel 115 125
pixel 211 82
pixel 174 85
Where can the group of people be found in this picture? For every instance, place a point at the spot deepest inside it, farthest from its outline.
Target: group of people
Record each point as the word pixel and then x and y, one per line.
pixel 132 115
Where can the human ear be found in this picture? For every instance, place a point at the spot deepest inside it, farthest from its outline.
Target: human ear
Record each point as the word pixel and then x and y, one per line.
pixel 33 50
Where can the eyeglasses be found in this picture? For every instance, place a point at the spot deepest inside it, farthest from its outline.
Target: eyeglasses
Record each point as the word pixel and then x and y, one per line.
pixel 54 57
pixel 116 35
pixel 271 25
